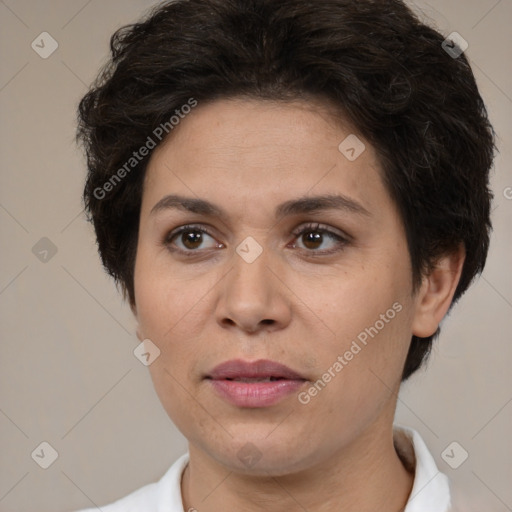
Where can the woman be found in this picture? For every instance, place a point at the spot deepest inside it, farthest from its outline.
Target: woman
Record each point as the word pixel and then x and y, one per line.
pixel 292 195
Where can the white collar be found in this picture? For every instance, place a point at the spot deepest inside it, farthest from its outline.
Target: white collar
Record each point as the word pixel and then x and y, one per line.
pixel 430 492
pixel 431 489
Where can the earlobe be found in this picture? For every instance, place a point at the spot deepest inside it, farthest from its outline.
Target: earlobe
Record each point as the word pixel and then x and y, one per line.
pixel 436 293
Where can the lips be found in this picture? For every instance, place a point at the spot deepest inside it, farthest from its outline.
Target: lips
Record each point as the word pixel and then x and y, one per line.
pixel 254 384
pixel 255 371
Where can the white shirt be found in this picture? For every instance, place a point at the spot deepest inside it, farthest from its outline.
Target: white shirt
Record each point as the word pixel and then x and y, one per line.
pixel 430 491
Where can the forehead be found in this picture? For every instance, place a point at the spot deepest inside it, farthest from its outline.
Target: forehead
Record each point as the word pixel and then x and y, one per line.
pixel 260 150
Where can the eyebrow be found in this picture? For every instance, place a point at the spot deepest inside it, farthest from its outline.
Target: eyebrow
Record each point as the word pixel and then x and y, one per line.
pixel 302 205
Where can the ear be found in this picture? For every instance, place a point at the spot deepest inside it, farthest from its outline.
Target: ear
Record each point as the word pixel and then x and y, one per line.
pixel 436 293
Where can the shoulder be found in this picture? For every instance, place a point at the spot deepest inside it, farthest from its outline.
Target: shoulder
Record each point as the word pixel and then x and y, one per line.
pixel 161 496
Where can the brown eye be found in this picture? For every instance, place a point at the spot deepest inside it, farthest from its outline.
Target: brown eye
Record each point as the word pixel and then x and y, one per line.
pixel 311 239
pixel 190 239
pixel 314 236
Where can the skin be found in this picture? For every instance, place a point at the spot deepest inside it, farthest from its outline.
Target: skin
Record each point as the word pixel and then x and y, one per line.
pixel 336 452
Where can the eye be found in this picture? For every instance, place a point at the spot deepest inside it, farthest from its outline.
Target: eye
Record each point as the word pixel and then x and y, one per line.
pixel 313 236
pixel 190 239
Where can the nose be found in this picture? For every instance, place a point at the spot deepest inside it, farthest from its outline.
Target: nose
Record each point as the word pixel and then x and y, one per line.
pixel 253 297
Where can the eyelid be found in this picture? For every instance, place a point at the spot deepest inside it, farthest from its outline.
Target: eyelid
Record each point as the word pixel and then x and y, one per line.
pixel 343 238
pixel 189 227
pixel 199 227
pixel 317 226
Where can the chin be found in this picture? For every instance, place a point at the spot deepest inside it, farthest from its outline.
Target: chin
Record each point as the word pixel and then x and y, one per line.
pixel 263 456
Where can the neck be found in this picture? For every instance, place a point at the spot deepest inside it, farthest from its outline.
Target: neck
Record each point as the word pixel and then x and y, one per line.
pixel 366 476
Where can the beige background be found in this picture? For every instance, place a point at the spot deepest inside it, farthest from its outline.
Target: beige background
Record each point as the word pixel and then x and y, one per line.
pixel 68 374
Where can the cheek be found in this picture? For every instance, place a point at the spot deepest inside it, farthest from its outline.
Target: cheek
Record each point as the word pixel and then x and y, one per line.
pixel 172 313
pixel 163 299
pixel 167 312
pixel 349 304
pixel 369 319
pixel 358 372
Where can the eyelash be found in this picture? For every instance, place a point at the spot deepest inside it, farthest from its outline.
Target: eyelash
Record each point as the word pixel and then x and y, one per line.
pixel 311 227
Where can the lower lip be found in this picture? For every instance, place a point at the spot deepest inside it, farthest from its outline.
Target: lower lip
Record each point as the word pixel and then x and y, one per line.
pixel 256 394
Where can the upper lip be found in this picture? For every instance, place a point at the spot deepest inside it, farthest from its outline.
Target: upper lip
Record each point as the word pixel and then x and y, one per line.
pixel 262 368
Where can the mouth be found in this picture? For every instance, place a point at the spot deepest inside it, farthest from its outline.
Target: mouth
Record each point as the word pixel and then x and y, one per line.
pixel 254 384
pixel 256 379
pixel 261 370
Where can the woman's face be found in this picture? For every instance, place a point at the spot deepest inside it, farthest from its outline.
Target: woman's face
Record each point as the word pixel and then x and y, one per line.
pixel 325 291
